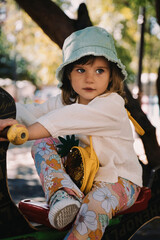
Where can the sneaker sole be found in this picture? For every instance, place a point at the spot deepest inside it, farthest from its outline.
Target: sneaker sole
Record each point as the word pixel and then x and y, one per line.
pixel 65 216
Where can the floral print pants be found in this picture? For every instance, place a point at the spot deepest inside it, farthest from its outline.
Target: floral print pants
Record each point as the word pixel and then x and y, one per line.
pixel 98 206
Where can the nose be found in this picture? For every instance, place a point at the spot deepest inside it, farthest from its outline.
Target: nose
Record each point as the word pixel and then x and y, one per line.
pixel 89 77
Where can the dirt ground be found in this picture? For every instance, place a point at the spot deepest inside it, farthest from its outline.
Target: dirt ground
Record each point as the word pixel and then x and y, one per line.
pixel 23 180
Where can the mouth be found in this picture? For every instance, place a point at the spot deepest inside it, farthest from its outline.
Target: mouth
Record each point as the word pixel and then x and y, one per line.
pixel 89 89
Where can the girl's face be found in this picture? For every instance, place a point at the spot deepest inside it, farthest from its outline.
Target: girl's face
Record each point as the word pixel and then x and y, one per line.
pixel 91 79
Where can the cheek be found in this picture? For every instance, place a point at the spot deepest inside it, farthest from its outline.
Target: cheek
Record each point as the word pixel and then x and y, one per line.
pixel 75 81
pixel 104 86
pixel 75 84
pixel 105 82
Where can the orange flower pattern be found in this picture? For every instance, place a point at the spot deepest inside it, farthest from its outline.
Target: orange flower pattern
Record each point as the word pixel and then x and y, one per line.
pixel 96 235
pixel 86 200
pixel 50 168
pixel 53 164
pixel 55 184
pixel 98 206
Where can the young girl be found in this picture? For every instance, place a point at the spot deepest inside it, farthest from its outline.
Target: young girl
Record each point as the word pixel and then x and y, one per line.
pixel 91 104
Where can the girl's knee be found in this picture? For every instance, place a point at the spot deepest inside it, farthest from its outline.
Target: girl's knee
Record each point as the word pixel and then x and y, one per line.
pixel 43 146
pixel 92 203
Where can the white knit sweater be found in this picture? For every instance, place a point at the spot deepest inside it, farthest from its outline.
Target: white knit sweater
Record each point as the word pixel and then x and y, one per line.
pixel 105 119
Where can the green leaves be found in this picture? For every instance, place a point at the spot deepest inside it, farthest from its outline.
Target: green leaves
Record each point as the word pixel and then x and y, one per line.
pixel 67 144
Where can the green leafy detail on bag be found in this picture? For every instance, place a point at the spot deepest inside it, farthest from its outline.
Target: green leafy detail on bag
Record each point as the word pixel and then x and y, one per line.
pixel 67 144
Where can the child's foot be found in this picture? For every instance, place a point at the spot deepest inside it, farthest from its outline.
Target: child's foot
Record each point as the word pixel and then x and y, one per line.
pixel 63 209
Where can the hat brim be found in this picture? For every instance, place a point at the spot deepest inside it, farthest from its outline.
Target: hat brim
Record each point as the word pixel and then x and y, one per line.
pixel 90 50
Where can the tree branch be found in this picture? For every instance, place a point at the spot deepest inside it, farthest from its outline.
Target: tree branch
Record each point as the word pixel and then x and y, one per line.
pixel 149 139
pixel 53 21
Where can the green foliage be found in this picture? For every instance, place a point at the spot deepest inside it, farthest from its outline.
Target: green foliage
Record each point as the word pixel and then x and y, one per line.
pixel 141 3
pixel 41 56
pixel 4 45
pixel 10 67
pixel 63 3
pixel 30 47
pixel 23 71
pixel 119 17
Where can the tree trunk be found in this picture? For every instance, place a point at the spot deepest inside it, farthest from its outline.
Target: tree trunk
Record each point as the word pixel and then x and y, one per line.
pixel 53 21
pixel 149 139
pixel 158 11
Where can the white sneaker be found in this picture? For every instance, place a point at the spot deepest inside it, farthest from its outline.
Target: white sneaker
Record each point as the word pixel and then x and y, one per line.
pixel 63 209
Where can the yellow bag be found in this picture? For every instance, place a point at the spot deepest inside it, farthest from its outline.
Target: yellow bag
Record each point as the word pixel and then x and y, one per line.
pixel 82 165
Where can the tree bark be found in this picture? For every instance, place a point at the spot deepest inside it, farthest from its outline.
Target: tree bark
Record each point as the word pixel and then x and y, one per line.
pixel 53 21
pixel 149 139
pixel 157 6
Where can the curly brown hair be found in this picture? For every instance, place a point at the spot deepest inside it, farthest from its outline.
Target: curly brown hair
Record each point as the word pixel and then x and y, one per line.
pixel 69 96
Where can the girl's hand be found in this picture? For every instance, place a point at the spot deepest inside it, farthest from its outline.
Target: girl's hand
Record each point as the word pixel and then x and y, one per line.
pixel 4 123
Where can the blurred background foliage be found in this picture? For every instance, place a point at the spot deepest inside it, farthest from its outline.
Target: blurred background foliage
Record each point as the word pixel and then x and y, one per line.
pixel 15 67
pixel 27 53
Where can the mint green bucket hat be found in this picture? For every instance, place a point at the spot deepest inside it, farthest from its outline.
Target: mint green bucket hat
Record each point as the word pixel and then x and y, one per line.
pixel 94 41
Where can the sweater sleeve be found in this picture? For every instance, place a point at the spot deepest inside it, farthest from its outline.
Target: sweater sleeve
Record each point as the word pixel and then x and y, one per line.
pixel 28 113
pixel 103 116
